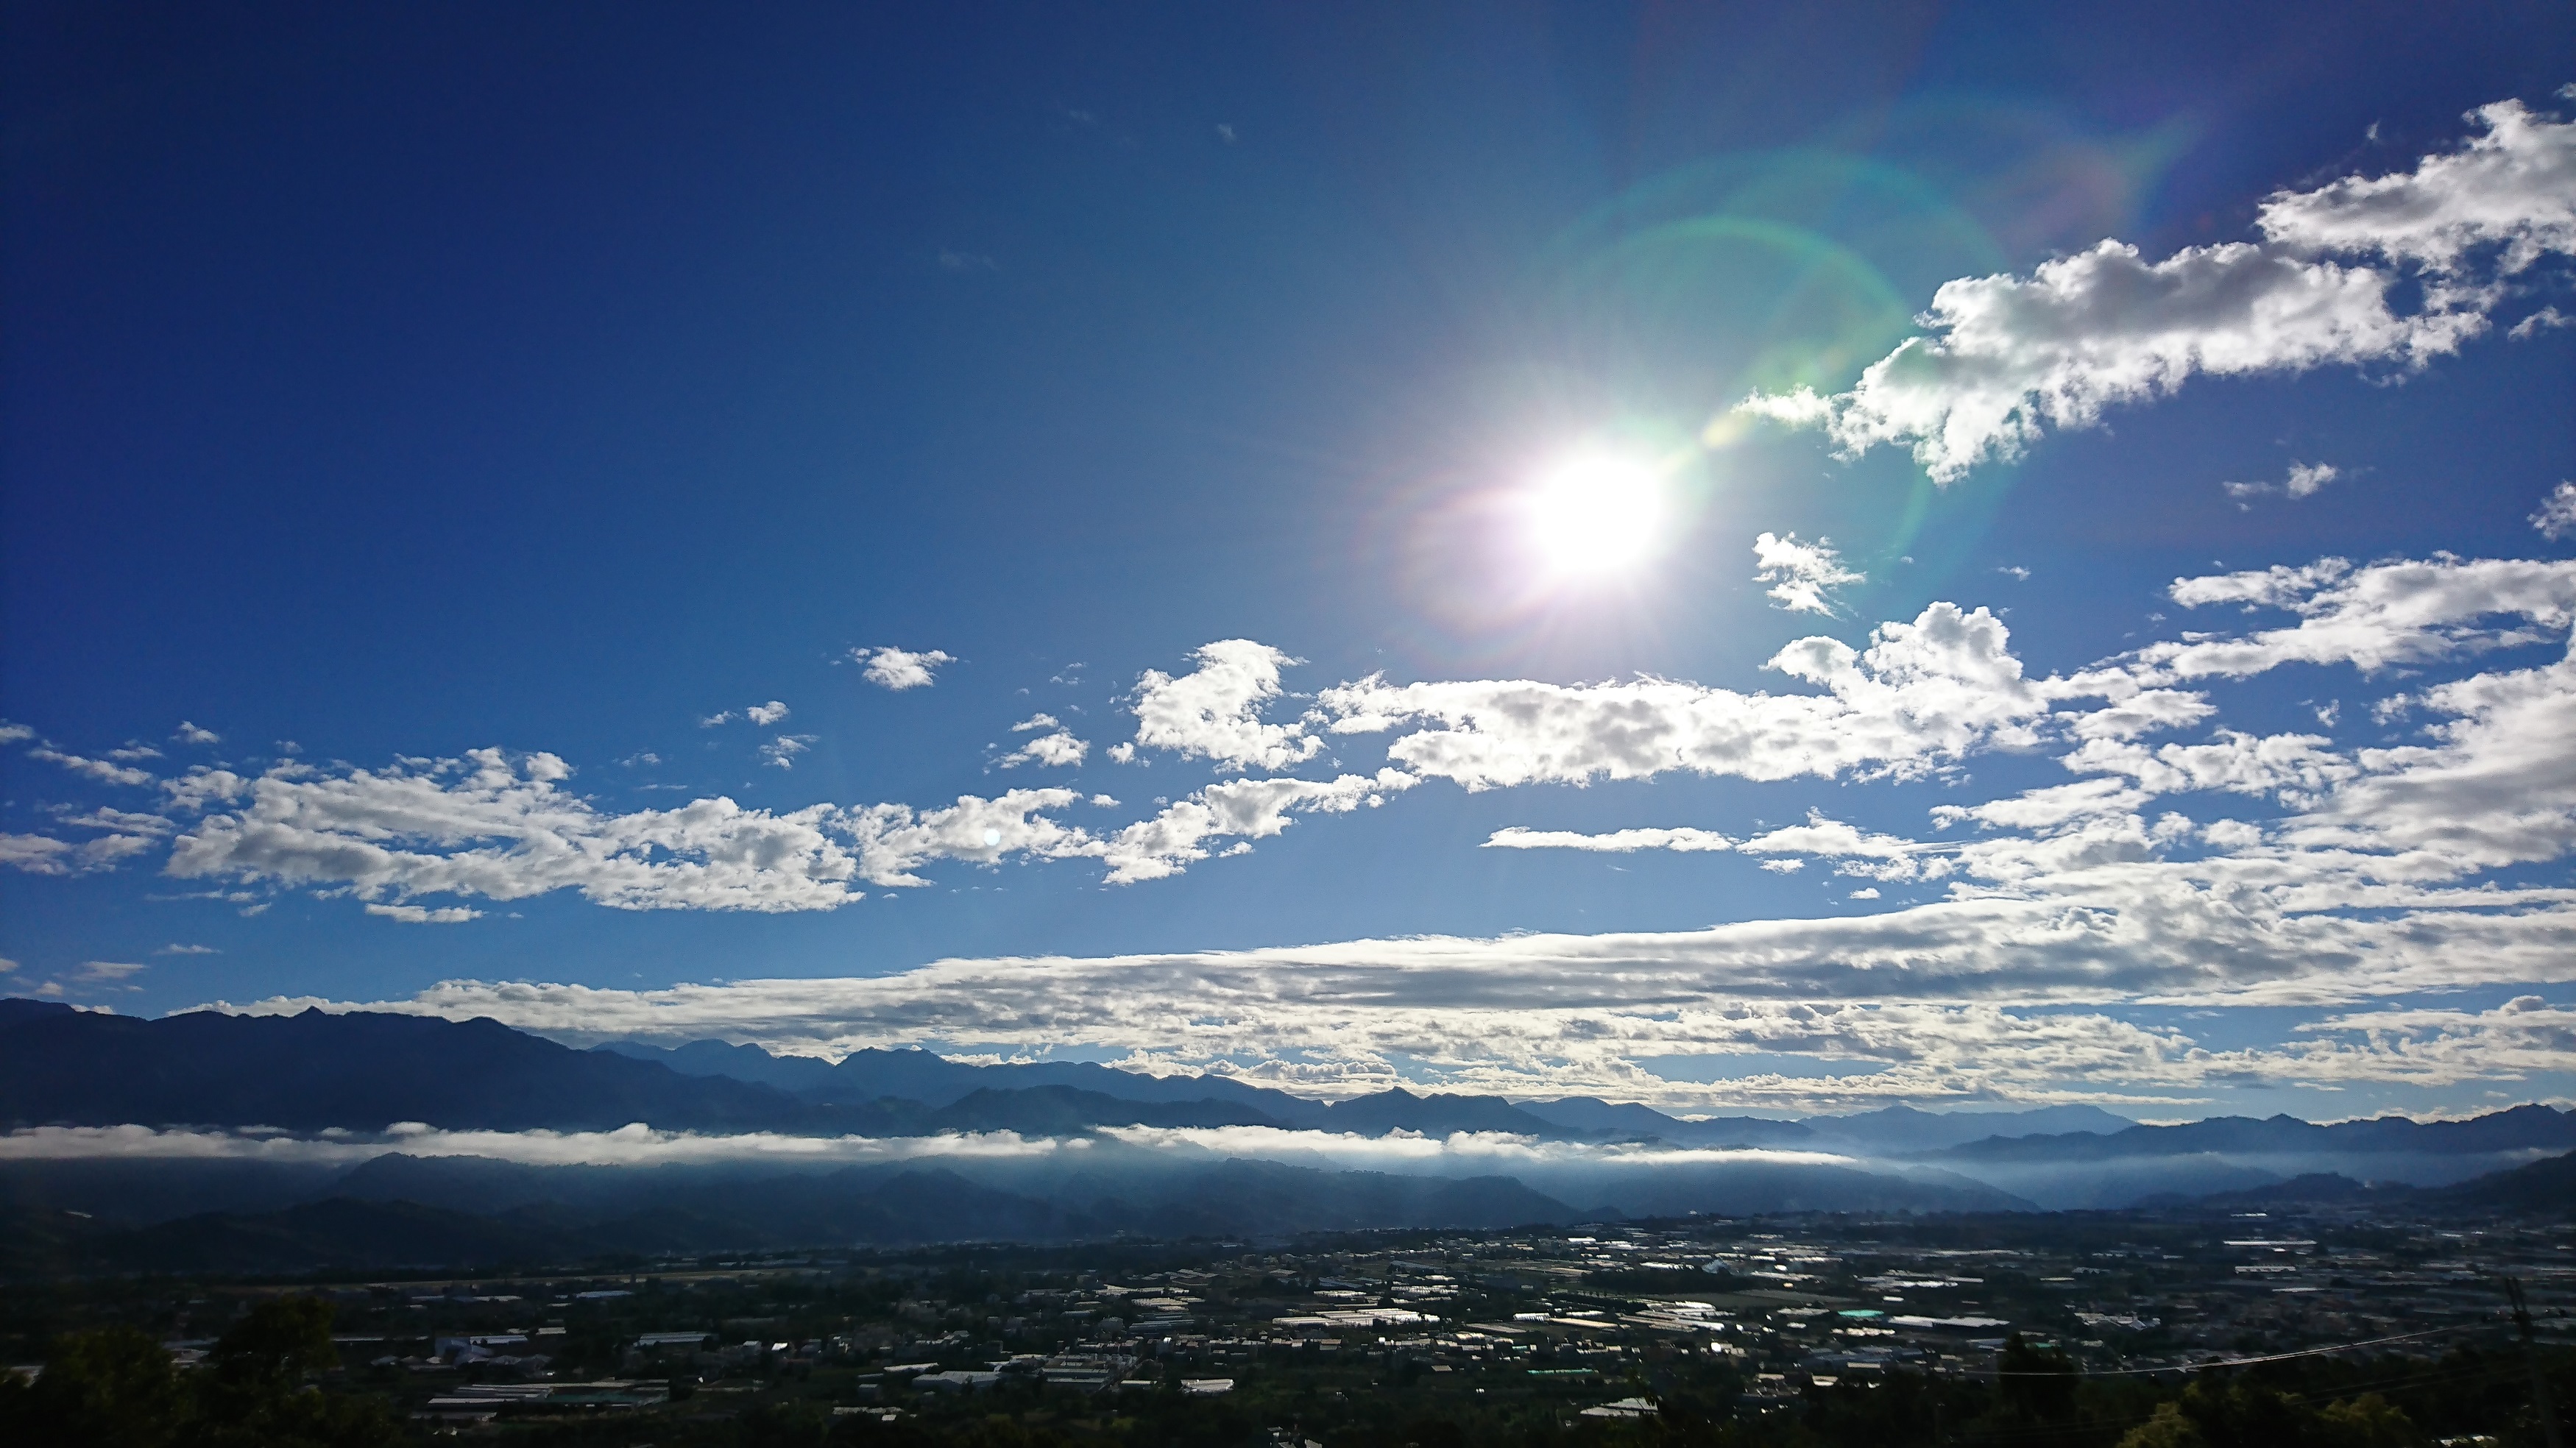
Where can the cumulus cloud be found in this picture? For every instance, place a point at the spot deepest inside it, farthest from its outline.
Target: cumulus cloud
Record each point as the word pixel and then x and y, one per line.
pixel 14 733
pixel 767 714
pixel 1923 693
pixel 2556 516
pixel 1245 809
pixel 2523 1038
pixel 2513 188
pixel 1801 574
pixel 900 669
pixel 2008 357
pixel 1057 747
pixel 896 840
pixel 2404 611
pixel 1214 711
pixel 497 827
pixel 45 855
pixel 781 752
pixel 188 733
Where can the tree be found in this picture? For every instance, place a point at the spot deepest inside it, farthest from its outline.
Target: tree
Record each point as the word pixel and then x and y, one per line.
pixel 114 1385
pixel 2167 1429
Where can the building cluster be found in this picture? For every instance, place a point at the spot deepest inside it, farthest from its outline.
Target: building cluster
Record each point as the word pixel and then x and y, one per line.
pixel 1600 1322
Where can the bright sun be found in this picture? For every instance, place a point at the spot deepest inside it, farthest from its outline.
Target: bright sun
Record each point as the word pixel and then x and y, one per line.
pixel 1596 512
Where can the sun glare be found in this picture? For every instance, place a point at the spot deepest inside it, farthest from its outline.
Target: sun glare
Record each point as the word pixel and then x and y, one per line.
pixel 1596 512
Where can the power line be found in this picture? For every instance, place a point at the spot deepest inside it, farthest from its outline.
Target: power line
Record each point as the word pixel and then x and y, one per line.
pixel 2247 1361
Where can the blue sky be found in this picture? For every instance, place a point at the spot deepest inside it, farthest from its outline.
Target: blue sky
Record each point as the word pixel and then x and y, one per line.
pixel 385 387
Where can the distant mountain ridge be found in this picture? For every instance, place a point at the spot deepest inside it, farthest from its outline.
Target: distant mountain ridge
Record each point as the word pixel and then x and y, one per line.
pixel 369 1070
pixel 2513 1129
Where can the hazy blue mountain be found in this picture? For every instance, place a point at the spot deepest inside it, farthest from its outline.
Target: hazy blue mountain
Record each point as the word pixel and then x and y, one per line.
pixel 1059 1110
pixel 1435 1115
pixel 1592 1114
pixel 2520 1128
pixel 1904 1129
pixel 797 1074
pixel 359 1070
pixel 2547 1186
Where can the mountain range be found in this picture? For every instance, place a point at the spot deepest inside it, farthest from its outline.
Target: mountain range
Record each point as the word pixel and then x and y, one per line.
pixel 1591 1159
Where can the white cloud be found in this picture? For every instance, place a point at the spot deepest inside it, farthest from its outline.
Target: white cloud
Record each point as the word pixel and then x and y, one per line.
pixel 635 1145
pixel 895 840
pixel 125 821
pixel 2236 762
pixel 14 733
pixel 2009 357
pixel 45 855
pixel 2304 480
pixel 767 714
pixel 1555 1014
pixel 188 733
pixel 1057 748
pixel 2513 187
pixel 781 752
pixel 2012 357
pixel 133 750
pixel 721 716
pixel 424 915
pixel 98 769
pixel 1879 857
pixel 1922 694
pixel 2556 516
pixel 2376 617
pixel 110 970
pixel 900 669
pixel 36 854
pixel 1243 808
pixel 485 826
pixel 1801 574
pixel 2145 712
pixel 1214 711
pixel 2547 319
pixel 1684 840
pixel 177 949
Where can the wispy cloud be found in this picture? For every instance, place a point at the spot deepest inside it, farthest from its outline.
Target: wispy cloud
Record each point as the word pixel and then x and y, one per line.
pixel 1801 575
pixel 781 752
pixel 423 914
pixel 2305 480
